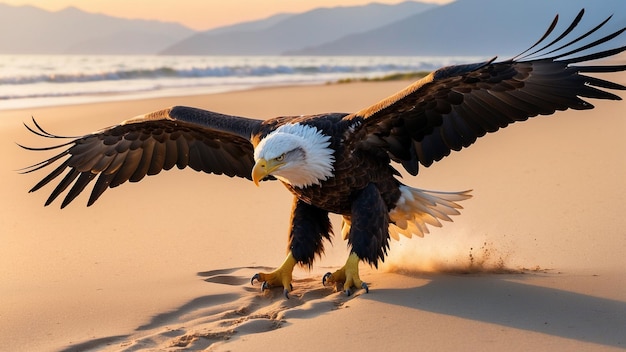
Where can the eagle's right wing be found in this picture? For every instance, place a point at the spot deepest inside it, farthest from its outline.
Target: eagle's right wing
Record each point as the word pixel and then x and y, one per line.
pixel 145 145
pixel 454 106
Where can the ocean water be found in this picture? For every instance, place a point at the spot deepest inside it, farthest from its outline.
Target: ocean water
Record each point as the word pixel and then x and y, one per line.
pixel 42 80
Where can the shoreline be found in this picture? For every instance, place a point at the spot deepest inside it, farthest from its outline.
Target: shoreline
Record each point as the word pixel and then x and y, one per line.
pixel 165 263
pixel 50 102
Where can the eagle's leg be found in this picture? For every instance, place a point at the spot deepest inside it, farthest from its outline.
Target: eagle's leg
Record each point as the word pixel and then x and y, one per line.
pixel 309 226
pixel 368 235
pixel 279 277
pixel 348 275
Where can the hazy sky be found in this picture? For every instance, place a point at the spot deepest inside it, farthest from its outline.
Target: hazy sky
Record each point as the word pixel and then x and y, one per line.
pixel 197 14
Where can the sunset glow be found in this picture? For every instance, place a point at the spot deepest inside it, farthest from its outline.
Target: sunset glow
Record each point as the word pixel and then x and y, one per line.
pixel 196 14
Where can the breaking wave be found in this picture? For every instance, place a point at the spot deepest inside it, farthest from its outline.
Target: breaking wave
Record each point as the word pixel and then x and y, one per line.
pixel 34 77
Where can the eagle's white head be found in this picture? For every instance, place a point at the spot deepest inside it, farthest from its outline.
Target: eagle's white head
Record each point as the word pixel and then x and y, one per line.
pixel 296 154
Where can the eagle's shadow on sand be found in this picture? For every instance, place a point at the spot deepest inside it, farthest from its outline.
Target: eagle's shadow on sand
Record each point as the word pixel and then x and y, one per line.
pixel 487 297
pixel 495 299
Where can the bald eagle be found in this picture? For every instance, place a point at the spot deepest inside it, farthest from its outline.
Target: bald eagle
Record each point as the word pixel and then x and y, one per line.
pixel 342 162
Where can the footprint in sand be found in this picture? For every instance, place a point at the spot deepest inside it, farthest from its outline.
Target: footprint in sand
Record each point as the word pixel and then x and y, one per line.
pixel 213 319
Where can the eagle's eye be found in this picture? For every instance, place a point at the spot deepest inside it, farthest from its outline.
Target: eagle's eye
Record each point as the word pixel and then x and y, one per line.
pixel 280 157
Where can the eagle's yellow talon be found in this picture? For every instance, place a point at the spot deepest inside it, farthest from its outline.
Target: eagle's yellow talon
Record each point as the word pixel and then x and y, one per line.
pixel 280 277
pixel 348 275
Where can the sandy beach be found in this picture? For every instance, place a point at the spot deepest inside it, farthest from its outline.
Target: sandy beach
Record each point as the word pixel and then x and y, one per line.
pixel 536 261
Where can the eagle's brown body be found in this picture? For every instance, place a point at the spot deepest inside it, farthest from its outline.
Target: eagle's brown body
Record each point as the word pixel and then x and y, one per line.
pixel 354 169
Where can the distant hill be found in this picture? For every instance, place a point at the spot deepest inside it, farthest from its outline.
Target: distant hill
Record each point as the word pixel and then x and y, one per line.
pixel 30 30
pixel 473 27
pixel 282 33
pixel 249 26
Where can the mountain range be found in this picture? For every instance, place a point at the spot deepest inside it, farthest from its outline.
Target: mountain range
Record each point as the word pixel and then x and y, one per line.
pixel 30 30
pixel 475 27
pixel 275 36
pixel 463 27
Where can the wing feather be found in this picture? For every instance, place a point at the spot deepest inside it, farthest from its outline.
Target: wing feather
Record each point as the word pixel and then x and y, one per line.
pixel 158 157
pixel 145 145
pixel 128 167
pixel 183 152
pixel 65 182
pixel 51 176
pixel 116 164
pixel 103 163
pixel 83 180
pixel 454 106
pixel 171 154
pixel 103 182
pixel 141 168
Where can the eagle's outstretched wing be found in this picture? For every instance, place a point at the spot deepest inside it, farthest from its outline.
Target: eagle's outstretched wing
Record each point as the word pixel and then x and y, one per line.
pixel 145 145
pixel 453 106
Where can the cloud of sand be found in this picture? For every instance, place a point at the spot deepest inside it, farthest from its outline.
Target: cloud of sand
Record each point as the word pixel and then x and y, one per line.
pixel 459 252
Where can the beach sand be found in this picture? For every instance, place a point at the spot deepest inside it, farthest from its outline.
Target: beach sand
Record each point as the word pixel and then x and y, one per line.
pixel 536 261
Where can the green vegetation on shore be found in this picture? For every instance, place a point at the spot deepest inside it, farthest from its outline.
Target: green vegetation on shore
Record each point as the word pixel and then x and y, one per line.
pixel 391 77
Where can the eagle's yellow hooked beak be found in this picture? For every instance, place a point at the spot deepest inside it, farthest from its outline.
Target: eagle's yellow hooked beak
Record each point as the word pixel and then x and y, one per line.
pixel 264 168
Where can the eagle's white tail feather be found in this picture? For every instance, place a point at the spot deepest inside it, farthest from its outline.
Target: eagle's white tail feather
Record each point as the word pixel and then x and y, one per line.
pixel 418 208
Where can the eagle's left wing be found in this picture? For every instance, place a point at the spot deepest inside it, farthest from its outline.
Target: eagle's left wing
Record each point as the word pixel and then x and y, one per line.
pixel 453 106
pixel 145 145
